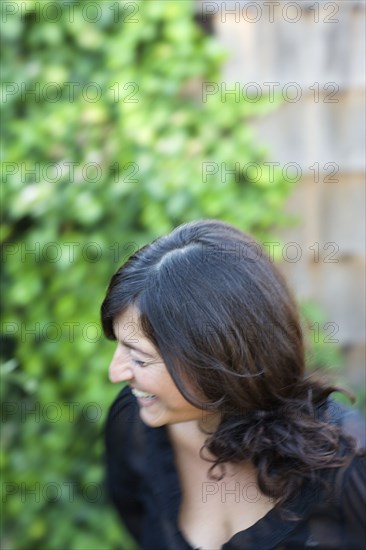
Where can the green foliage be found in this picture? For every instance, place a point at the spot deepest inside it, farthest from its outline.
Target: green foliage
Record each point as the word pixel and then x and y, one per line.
pixel 138 155
pixel 323 353
pixel 321 342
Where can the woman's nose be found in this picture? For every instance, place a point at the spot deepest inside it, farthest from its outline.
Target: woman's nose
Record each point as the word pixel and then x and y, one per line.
pixel 120 369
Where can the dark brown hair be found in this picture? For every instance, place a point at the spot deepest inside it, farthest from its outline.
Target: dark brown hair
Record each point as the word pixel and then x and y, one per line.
pixel 227 326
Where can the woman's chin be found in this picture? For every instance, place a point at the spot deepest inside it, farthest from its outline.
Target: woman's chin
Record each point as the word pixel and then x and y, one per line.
pixel 154 420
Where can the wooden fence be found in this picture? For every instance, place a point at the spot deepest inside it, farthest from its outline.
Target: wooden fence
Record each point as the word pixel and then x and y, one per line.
pixel 312 53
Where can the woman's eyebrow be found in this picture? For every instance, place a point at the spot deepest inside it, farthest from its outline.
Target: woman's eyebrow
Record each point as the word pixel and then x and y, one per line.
pixel 128 345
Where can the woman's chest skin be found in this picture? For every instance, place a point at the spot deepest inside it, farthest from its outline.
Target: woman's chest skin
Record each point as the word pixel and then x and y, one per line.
pixel 211 512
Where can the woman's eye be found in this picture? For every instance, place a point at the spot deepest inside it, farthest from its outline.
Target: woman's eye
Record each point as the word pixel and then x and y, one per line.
pixel 139 363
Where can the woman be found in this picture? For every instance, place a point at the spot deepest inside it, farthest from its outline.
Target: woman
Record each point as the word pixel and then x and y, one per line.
pixel 219 440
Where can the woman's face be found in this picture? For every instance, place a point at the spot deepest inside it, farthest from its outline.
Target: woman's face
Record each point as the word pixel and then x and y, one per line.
pixel 137 362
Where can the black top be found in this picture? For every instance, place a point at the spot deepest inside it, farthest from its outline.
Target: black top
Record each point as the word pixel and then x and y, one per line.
pixel 144 486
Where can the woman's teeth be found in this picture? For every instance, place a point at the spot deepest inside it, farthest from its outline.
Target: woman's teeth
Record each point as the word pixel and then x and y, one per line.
pixel 139 393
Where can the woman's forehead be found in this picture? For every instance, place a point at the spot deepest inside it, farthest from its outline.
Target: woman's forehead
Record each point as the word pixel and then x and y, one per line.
pixel 128 330
pixel 127 321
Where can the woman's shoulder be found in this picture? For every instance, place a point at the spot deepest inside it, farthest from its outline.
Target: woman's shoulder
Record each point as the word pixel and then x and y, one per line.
pixel 351 493
pixel 349 480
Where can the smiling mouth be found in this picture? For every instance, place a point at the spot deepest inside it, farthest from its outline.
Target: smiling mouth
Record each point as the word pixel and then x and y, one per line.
pixel 139 393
